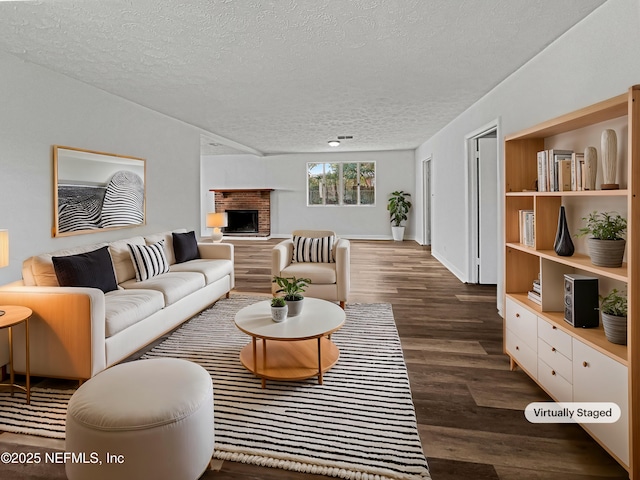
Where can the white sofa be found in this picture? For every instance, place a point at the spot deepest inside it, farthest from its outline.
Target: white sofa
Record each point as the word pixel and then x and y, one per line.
pixel 76 332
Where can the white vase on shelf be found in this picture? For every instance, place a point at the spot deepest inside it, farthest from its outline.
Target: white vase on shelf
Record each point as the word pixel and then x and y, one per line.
pixel 609 152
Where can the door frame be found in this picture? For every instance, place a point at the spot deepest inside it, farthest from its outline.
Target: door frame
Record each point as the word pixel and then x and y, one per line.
pixel 426 200
pixel 471 200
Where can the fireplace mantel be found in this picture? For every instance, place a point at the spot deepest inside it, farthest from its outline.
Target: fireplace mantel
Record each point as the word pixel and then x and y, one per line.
pixel 232 190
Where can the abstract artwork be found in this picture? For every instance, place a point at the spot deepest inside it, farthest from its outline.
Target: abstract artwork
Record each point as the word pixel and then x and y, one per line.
pixel 95 191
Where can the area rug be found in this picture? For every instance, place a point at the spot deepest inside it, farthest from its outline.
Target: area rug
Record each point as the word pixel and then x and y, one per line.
pixel 359 424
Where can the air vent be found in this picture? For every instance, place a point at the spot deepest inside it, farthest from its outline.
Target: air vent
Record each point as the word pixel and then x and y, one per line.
pixel 345 137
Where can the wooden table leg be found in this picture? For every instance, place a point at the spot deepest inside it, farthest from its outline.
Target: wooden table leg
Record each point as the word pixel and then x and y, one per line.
pixel 264 361
pixel 28 371
pixel 320 360
pixel 11 374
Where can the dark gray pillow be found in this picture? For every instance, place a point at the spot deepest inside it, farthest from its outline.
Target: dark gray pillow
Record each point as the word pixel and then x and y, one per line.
pixel 89 269
pixel 185 246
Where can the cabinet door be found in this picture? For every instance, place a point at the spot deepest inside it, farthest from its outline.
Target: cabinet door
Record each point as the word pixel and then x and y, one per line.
pixel 522 322
pixel 524 355
pixel 598 378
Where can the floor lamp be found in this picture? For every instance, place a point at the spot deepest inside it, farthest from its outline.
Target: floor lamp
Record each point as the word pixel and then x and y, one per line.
pixel 4 252
pixel 216 221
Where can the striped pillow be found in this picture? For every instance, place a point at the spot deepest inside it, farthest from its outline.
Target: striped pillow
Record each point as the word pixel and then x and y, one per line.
pixel 316 250
pixel 148 260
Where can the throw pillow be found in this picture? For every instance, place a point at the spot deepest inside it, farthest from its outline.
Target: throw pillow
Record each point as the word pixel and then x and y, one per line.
pixel 148 260
pixel 89 269
pixel 316 250
pixel 185 246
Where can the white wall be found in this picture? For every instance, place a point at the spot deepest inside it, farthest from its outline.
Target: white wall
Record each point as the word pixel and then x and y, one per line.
pixel 39 109
pixel 593 61
pixel 287 175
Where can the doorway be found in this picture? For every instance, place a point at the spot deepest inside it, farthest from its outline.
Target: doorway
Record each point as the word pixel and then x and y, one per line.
pixel 426 199
pixel 484 209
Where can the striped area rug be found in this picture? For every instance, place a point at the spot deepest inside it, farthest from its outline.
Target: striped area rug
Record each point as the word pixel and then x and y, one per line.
pixel 360 424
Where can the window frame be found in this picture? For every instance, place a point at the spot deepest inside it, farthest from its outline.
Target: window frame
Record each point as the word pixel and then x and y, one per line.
pixel 341 184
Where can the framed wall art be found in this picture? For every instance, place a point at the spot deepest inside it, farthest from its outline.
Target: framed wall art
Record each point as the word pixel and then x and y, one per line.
pixel 96 191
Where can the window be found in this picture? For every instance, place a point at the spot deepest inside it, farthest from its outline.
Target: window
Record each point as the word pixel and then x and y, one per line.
pixel 342 183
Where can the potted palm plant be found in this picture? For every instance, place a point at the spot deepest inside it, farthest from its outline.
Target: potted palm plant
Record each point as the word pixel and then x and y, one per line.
pixel 292 288
pixel 279 309
pixel 606 242
pixel 613 308
pixel 398 206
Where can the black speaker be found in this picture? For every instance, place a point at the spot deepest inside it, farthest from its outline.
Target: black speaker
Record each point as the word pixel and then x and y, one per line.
pixel 581 301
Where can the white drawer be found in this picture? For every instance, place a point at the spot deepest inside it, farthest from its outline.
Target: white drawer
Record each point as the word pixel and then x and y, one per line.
pixel 522 322
pixel 524 355
pixel 599 378
pixel 560 364
pixel 555 337
pixel 557 386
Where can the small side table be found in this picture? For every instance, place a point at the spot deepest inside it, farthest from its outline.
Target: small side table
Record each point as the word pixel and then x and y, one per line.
pixel 15 315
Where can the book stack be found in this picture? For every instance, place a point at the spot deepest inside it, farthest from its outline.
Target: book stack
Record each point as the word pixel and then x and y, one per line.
pixel 554 170
pixel 527 228
pixel 535 294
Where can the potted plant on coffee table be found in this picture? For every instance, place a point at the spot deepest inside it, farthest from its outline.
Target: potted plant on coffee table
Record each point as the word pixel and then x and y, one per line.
pixel 606 242
pixel 279 309
pixel 613 308
pixel 398 206
pixel 292 288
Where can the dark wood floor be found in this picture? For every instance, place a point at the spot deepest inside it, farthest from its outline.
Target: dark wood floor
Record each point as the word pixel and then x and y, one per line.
pixel 468 404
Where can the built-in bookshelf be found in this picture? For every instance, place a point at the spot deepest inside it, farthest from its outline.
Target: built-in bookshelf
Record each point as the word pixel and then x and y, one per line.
pixel 573 364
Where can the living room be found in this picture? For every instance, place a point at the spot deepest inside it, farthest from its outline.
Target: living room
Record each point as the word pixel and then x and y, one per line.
pixel 592 61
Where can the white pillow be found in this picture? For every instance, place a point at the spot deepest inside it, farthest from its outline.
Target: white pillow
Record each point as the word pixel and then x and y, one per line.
pixel 314 250
pixel 148 260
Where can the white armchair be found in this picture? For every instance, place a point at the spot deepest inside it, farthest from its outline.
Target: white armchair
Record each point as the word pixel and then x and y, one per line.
pixel 329 281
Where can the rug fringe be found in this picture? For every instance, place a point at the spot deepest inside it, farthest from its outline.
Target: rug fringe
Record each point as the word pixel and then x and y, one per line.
pixel 292 465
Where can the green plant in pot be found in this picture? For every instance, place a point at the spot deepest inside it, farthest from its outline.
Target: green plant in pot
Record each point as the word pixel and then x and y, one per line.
pixel 613 308
pixel 279 309
pixel 398 206
pixel 292 289
pixel 606 241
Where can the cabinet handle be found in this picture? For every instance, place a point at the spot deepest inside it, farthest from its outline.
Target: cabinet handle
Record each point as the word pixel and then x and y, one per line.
pixel 585 364
pixel 553 349
pixel 553 372
pixel 517 347
pixel 554 327
pixel 517 315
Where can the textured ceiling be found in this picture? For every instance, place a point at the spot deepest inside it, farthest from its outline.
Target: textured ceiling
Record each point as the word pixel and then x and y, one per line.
pixel 288 75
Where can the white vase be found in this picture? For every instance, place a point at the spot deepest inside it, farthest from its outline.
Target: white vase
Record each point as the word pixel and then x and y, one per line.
pixel 609 152
pixel 591 167
pixel 398 233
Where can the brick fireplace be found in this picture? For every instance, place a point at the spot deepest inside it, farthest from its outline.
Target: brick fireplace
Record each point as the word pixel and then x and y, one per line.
pixel 244 200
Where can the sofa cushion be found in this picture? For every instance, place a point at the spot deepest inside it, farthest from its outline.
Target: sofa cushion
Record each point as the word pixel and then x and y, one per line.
pixel 211 269
pixel 316 250
pixel 148 260
pixel 168 242
pixel 89 269
pixel 38 270
pixel 318 273
pixel 121 257
pixel 173 285
pixel 185 246
pixel 124 308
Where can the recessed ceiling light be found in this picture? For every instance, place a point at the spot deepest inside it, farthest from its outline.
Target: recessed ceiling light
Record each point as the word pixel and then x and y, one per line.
pixel 334 143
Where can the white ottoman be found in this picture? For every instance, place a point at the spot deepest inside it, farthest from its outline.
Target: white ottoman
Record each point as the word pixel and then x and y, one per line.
pixel 147 419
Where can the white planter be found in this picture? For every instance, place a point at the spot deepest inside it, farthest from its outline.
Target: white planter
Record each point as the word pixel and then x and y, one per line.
pixel 279 314
pixel 295 307
pixel 398 233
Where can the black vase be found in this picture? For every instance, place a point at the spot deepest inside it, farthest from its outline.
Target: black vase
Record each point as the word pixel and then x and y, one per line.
pixel 563 244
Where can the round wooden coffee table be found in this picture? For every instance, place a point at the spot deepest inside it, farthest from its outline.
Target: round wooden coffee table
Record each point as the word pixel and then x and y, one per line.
pixel 298 348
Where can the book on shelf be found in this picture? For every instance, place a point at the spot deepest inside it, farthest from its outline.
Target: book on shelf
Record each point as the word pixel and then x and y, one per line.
pixel 537 287
pixel 527 230
pixel 534 297
pixel 577 164
pixel 564 175
pixel 549 169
